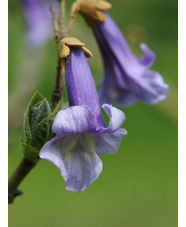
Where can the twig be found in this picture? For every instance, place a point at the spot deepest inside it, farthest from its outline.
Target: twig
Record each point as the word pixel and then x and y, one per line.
pixel 54 20
pixel 58 87
pixel 19 174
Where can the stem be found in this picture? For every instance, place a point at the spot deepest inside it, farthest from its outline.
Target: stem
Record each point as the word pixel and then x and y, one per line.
pixel 61 20
pixel 58 87
pixel 26 166
pixel 19 174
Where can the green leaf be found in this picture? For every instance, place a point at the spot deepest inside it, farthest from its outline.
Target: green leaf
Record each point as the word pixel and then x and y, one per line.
pixel 37 125
pixel 43 131
pixel 30 153
pixel 38 113
pixel 36 98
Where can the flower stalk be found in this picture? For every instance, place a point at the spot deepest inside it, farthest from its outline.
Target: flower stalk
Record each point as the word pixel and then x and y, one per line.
pixel 61 4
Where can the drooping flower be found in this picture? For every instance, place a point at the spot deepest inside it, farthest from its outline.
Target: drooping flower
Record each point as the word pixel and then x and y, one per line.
pixel 81 133
pixel 127 78
pixel 38 20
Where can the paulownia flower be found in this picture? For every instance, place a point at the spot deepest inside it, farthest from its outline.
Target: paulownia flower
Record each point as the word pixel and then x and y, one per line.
pixel 81 133
pixel 127 78
pixel 38 19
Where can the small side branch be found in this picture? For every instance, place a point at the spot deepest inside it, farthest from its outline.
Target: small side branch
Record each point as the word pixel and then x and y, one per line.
pixel 54 20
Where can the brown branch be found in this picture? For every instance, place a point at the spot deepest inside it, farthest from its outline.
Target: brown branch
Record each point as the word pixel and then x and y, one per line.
pixel 19 174
pixel 58 87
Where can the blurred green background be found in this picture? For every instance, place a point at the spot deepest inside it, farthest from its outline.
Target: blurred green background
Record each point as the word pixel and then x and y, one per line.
pixel 138 185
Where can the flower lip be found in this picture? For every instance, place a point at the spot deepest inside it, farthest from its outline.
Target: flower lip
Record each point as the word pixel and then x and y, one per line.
pixel 76 120
pixel 78 164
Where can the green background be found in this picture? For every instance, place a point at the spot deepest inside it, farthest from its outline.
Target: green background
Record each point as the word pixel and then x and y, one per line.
pixel 138 185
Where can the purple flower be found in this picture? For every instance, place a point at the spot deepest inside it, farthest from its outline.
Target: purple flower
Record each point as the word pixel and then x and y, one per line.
pixel 127 78
pixel 82 134
pixel 39 22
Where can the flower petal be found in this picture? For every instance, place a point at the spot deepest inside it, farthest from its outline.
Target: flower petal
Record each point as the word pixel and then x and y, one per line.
pixel 114 45
pixel 151 88
pixel 117 117
pixel 75 120
pixel 126 98
pixel 82 167
pixel 75 158
pixel 52 151
pixel 115 94
pixel 148 58
pixel 108 142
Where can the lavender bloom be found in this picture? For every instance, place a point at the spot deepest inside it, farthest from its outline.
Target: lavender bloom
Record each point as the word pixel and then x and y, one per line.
pixel 82 134
pixel 38 19
pixel 127 78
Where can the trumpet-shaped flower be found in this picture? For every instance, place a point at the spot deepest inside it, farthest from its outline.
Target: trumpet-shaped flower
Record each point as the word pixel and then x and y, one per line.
pixel 38 19
pixel 127 78
pixel 81 133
